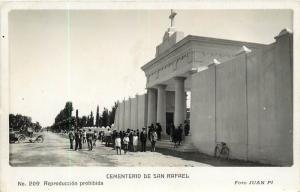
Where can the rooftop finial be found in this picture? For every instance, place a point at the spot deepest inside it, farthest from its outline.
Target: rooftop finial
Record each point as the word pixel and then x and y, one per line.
pixel 172 16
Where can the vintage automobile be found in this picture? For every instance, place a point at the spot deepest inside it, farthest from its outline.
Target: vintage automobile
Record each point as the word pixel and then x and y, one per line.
pixel 21 137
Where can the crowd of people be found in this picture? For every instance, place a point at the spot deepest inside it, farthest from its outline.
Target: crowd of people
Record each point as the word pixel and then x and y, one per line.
pixel 81 136
pixel 129 140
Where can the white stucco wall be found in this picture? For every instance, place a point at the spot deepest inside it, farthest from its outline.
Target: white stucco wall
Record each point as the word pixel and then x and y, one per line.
pixel 116 120
pixel 270 104
pixel 253 105
pixel 122 115
pixel 203 110
pixel 133 111
pixel 127 123
pixel 142 111
pixel 231 106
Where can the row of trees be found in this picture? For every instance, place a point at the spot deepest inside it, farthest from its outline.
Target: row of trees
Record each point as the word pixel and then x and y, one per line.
pixel 64 119
pixel 20 122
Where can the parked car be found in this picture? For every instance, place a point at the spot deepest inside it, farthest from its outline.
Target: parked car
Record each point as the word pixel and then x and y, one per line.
pixel 21 137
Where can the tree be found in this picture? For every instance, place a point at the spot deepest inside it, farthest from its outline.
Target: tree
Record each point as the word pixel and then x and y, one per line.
pixel 77 118
pixel 91 119
pixel 64 120
pixel 112 113
pixel 97 117
pixel 21 123
pixel 84 121
pixel 105 118
pixel 69 109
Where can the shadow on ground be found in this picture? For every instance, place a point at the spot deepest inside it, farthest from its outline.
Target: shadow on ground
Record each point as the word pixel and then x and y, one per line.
pixel 203 158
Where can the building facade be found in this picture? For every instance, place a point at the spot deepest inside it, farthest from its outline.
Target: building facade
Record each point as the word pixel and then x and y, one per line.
pixel 241 94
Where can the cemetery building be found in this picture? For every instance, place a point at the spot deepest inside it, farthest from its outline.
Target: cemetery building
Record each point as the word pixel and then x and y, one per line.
pixel 241 93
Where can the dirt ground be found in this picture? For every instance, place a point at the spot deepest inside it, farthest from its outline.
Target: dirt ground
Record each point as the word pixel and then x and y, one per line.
pixel 55 151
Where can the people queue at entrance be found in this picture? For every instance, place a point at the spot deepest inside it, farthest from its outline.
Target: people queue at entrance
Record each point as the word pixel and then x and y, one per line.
pixel 129 140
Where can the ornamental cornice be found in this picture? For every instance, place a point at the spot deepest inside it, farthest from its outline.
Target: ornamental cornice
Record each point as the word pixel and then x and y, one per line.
pixel 206 41
pixel 184 57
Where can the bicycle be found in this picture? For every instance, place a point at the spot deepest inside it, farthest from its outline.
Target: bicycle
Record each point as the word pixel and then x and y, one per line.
pixel 222 150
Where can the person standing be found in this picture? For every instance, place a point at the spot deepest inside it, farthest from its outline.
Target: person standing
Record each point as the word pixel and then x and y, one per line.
pixel 138 136
pixel 71 138
pixel 143 138
pixel 130 145
pixel 153 140
pixel 122 135
pixel 99 136
pixel 186 128
pixel 89 137
pixel 94 138
pixel 138 132
pixel 77 139
pixel 84 136
pixel 173 132
pixel 150 129
pixel 102 136
pixel 135 140
pixel 158 130
pixel 126 142
pixel 118 144
pixel 180 131
pixel 114 136
pixel 107 137
pixel 81 138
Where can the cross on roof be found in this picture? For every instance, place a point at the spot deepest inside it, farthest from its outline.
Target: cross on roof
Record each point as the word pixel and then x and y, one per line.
pixel 172 16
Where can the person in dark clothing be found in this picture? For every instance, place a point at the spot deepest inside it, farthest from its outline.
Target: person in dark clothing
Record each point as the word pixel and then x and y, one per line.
pixel 94 138
pixel 138 135
pixel 179 134
pixel 158 130
pixel 122 138
pixel 80 139
pixel 186 128
pixel 173 132
pixel 77 139
pixel 130 145
pixel 143 138
pixel 71 137
pixel 89 137
pixel 175 138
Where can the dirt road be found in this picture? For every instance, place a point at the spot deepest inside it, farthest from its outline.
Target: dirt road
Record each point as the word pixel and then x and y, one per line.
pixel 54 151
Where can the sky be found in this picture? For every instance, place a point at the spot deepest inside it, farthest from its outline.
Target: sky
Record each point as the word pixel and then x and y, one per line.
pixel 93 57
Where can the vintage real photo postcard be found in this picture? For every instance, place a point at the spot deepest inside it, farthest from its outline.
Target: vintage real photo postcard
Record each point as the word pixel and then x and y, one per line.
pixel 96 96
